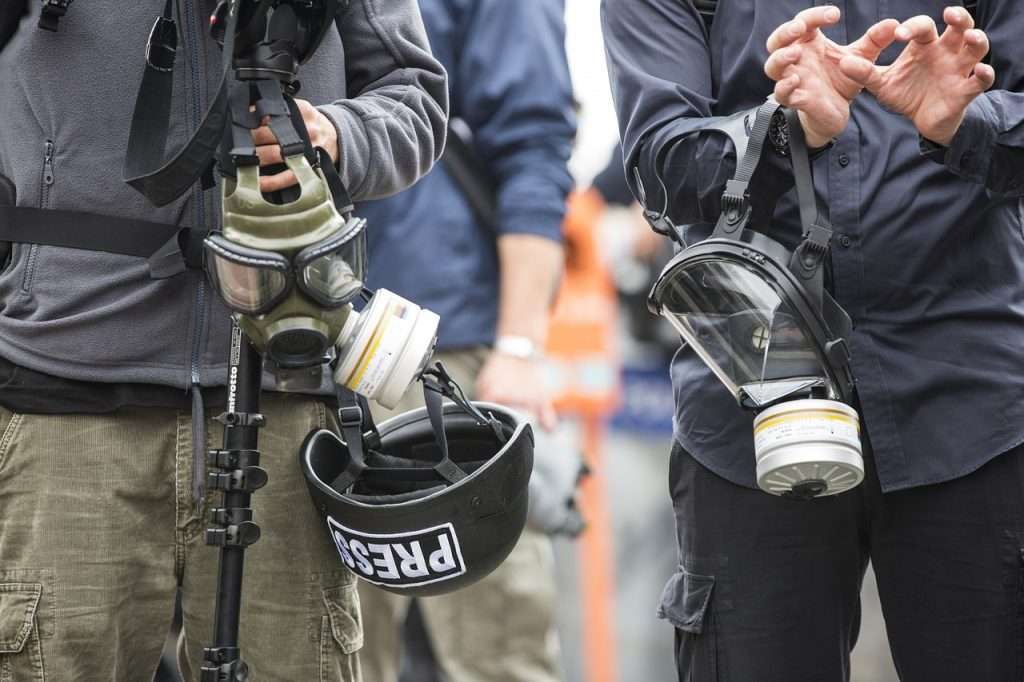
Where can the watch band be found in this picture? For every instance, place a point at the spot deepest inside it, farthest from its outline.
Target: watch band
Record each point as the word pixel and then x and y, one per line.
pixel 521 347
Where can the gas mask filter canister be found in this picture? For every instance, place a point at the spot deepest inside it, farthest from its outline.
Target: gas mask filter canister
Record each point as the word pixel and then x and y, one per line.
pixel 384 348
pixel 759 316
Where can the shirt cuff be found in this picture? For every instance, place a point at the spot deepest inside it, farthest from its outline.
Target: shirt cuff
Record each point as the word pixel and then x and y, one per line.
pixel 537 223
pixel 969 155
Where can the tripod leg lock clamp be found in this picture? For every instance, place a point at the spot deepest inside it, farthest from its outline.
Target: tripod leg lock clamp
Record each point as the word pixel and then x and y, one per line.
pixel 232 459
pixel 223 664
pixel 241 419
pixel 241 535
pixel 230 516
pixel 246 479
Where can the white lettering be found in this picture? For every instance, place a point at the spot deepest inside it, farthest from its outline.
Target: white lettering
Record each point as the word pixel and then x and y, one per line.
pixel 388 570
pixel 362 557
pixel 442 560
pixel 414 563
pixel 346 554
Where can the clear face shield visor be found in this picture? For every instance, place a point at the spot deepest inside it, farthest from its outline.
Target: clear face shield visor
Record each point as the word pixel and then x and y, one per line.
pixel 746 332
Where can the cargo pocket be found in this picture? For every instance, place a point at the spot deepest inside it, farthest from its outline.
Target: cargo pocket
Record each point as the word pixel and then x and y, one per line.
pixel 21 653
pixel 686 604
pixel 341 635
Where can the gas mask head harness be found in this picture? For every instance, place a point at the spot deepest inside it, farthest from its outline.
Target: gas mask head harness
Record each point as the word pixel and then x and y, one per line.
pixel 759 316
pixel 291 264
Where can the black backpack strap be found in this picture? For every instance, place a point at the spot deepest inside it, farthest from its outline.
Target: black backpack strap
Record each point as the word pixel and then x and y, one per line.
pixel 472 177
pixel 163 244
pixel 145 169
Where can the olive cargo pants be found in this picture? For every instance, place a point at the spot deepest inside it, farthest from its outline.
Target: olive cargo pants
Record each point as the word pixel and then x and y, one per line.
pixel 98 528
pixel 501 629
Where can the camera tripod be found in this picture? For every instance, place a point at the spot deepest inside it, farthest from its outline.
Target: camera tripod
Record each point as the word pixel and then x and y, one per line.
pixel 236 472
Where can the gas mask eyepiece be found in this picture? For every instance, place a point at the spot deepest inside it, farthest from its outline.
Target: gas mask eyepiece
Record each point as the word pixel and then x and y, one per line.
pixel 759 316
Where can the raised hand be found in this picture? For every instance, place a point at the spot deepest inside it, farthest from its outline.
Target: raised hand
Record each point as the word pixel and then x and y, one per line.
pixel 935 78
pixel 806 67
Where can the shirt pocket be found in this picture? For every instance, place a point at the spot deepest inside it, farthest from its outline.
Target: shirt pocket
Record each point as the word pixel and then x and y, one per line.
pixel 21 655
pixel 686 603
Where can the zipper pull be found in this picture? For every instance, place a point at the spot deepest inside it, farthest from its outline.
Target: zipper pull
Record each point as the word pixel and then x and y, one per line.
pixel 48 163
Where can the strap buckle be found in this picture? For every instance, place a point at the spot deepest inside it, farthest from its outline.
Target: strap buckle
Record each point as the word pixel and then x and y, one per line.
pixel 162 45
pixel 52 12
pixel 350 416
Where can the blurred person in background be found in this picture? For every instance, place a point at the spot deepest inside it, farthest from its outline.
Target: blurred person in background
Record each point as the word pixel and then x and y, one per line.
pixel 922 167
pixel 479 242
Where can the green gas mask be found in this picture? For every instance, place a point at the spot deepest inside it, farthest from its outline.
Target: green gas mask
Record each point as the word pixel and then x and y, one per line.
pixel 290 270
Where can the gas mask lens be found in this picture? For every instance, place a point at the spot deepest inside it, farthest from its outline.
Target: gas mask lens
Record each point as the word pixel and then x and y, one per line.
pixel 254 282
pixel 332 272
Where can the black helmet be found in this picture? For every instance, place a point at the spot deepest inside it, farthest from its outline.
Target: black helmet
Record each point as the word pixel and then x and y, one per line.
pixel 433 500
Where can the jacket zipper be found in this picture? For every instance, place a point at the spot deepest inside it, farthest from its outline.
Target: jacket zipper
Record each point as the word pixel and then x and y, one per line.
pixel 194 39
pixel 44 202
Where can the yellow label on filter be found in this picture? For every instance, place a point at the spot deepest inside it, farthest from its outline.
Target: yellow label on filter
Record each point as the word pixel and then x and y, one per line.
pixel 805 426
pixel 382 351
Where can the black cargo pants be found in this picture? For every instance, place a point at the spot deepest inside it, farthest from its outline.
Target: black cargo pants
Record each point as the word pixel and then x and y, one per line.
pixel 768 588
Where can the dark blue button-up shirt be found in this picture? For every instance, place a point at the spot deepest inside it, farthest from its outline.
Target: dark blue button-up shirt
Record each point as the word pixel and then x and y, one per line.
pixel 928 256
pixel 509 82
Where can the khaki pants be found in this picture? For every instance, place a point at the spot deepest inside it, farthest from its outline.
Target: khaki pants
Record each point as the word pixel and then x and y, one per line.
pixel 500 629
pixel 98 528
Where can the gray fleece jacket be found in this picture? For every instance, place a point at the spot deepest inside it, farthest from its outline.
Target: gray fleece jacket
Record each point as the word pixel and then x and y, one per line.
pixel 66 102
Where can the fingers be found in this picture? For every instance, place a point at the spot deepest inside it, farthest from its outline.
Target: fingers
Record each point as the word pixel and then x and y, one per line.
pixel 958 22
pixel 806 22
pixel 263 136
pixel 548 417
pixel 876 40
pixel 919 29
pixel 785 89
pixel 976 46
pixel 278 181
pixel 269 154
pixel 984 77
pixel 781 60
pixel 860 70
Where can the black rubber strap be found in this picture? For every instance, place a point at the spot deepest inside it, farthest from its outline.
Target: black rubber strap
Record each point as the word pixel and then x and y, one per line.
pixel 145 167
pixel 446 468
pixel 351 419
pixel 812 214
pixel 736 208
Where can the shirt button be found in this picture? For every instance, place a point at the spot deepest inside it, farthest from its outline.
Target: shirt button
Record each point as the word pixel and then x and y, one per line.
pixel 845 241
pixel 844 160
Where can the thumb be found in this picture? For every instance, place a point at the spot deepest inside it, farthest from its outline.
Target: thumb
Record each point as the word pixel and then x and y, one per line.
pixel 859 70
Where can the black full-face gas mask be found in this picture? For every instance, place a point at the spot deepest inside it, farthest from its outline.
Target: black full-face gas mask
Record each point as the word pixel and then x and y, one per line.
pixel 759 316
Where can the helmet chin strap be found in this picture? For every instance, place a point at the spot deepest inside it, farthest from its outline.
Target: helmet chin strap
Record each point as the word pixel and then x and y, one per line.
pixel 361 436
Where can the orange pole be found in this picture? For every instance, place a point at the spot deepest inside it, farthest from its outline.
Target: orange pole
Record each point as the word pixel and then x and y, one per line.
pixel 597 563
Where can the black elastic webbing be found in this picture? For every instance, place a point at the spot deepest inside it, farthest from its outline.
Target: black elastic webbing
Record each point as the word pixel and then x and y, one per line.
pixel 736 209
pixel 145 167
pixel 351 421
pixel 809 257
pixel 169 248
pixel 446 468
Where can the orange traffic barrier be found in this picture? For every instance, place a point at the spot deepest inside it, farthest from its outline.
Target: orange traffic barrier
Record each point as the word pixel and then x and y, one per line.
pixel 585 383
